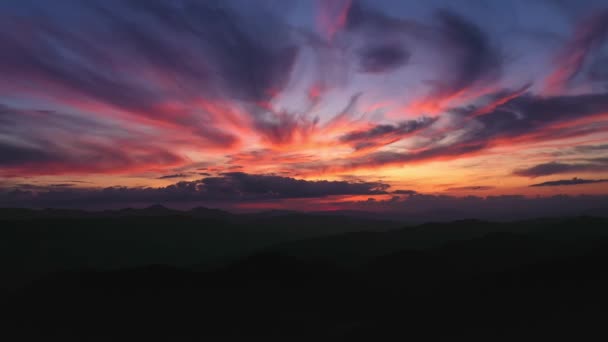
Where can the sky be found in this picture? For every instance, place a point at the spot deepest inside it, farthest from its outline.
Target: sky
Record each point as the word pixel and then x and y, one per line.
pixel 303 104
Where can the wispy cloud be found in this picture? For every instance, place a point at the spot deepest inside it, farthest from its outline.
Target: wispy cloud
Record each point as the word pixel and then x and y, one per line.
pixel 553 168
pixel 573 181
pixel 175 175
pixel 587 38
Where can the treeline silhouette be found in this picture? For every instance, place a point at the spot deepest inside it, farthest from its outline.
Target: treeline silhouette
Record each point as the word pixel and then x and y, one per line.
pixel 288 276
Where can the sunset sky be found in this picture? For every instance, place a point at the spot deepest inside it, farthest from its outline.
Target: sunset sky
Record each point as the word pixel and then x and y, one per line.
pixel 301 104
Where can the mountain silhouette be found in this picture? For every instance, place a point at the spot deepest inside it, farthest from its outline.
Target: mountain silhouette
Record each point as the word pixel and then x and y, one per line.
pixel 209 274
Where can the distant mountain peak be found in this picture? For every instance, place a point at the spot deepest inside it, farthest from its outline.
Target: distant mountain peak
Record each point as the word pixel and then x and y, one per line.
pixel 157 207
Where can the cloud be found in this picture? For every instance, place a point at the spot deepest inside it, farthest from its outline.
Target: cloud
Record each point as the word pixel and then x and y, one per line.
pixel 382 38
pixel 385 134
pixel 231 187
pixel 469 48
pixel 471 188
pixel 404 192
pixel 382 158
pixel 253 52
pixel 285 187
pixel 36 142
pixel 500 98
pixel 553 168
pixel 36 58
pixel 598 72
pixel 332 16
pixel 382 58
pixel 176 175
pixel 469 54
pixel 144 86
pixel 526 118
pixel 528 113
pixel 11 155
pixel 573 181
pixel 283 128
pixel 469 60
pixel 170 65
pixel 588 37
pixel 591 148
pixel 363 18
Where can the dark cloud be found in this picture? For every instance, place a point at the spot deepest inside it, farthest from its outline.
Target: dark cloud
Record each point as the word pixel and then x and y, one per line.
pixel 389 157
pixel 591 148
pixel 588 37
pixel 526 116
pixel 404 192
pixel 469 56
pixel 499 98
pixel 598 72
pixel 528 113
pixel 573 181
pixel 140 55
pixel 553 168
pixel 280 128
pixel 37 187
pixel 253 54
pixel 229 187
pixel 176 175
pixel 369 20
pixel 469 53
pixel 239 183
pixel 250 54
pixel 11 155
pixel 47 142
pixel 471 188
pixel 595 153
pixel 381 133
pixel 383 58
pixel 382 130
pixel 42 57
pixel 383 40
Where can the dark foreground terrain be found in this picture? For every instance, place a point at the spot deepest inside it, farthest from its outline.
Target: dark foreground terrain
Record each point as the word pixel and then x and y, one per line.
pixel 209 275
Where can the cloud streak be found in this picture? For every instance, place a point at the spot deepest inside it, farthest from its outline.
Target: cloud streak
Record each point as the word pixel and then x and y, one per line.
pixel 569 182
pixel 234 187
pixel 471 188
pixel 47 142
pixel 587 39
pixel 385 134
pixel 554 168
